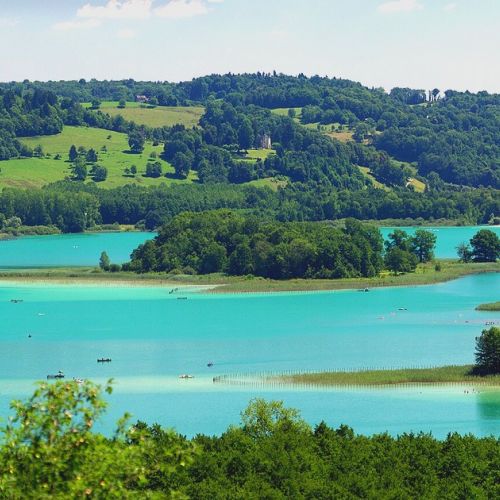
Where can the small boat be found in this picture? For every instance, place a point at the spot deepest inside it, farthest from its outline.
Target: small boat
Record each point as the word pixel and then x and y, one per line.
pixel 185 375
pixel 364 290
pixel 16 301
pixel 181 298
pixel 78 380
pixel 402 309
pixel 29 335
pixel 59 374
pixel 210 364
pixel 104 360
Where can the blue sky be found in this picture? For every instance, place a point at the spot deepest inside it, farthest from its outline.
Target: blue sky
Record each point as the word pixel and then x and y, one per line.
pixel 386 43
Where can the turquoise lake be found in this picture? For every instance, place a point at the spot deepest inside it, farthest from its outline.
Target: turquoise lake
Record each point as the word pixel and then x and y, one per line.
pixel 152 337
pixel 448 238
pixel 65 250
pixel 85 249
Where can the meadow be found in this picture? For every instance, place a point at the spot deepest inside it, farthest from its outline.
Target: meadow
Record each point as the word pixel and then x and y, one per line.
pixel 158 116
pixel 113 153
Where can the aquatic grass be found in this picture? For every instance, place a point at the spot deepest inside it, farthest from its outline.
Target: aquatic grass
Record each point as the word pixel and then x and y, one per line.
pixel 439 375
pixel 424 275
pixel 492 306
pixel 454 374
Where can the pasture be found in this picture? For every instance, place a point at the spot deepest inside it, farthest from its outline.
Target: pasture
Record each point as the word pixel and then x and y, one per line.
pixel 158 116
pixel 113 153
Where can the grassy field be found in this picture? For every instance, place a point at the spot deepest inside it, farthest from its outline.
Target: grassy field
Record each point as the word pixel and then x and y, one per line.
pixel 493 306
pixel 417 376
pixel 158 116
pixel 368 174
pixel 36 172
pixel 273 183
pixel 284 112
pixel 344 135
pixel 425 274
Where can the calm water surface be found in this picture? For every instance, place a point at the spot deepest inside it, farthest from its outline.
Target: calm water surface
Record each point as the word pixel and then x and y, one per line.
pixel 448 238
pixel 85 249
pixel 152 337
pixel 69 249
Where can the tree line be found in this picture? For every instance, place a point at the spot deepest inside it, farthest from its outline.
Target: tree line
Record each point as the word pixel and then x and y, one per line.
pixel 151 207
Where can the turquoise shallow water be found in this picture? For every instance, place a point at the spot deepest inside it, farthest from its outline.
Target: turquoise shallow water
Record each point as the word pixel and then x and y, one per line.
pixel 153 337
pixel 85 249
pixel 448 238
pixel 69 249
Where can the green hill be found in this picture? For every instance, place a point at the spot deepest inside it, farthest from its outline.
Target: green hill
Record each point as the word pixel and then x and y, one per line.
pixel 36 172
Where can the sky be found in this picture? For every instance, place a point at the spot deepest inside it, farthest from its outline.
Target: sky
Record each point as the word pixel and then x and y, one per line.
pixel 448 44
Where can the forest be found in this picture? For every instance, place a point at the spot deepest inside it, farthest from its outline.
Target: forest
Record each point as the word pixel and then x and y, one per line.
pixel 447 140
pixel 150 207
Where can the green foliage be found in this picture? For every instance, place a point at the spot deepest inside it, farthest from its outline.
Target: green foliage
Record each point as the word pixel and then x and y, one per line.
pixel 69 211
pixel 404 252
pixel 485 246
pixel 400 261
pixel 262 418
pixel 464 252
pixel 154 169
pixel 423 244
pixel 80 169
pixel 104 261
pixel 250 245
pixel 136 141
pixel 91 156
pixel 49 450
pixel 99 173
pixel 488 351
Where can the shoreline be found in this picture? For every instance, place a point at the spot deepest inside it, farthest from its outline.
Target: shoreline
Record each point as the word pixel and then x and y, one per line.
pixel 219 284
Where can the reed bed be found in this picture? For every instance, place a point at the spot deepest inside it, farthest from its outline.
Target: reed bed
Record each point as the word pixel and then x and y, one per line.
pixel 492 306
pixel 365 378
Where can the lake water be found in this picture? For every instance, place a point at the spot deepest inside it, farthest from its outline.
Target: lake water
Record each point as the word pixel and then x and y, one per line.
pixel 152 337
pixel 69 249
pixel 448 238
pixel 85 249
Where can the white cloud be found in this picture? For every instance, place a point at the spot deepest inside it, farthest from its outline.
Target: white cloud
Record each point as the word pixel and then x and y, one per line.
pixel 91 15
pixel 8 22
pixel 178 9
pixel 117 9
pixel 450 7
pixel 126 33
pixel 400 6
pixel 76 25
